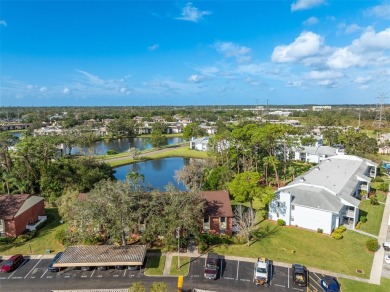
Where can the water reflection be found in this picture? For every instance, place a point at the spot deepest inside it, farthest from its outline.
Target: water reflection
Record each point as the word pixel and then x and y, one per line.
pixel 158 173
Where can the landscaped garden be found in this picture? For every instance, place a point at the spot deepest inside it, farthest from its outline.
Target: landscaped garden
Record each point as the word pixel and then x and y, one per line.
pixel 155 265
pixel 184 266
pixel 373 214
pixel 352 286
pixel 296 245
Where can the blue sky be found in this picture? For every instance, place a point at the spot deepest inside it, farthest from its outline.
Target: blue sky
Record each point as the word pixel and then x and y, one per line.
pixel 193 53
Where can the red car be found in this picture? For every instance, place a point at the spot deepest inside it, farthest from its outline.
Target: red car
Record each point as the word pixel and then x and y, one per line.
pixel 12 263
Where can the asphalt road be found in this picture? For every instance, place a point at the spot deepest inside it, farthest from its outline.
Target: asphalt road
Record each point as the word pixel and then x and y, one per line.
pixel 32 275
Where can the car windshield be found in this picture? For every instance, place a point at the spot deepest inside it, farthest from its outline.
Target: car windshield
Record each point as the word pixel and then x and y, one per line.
pixel 211 265
pixel 261 270
pixel 8 263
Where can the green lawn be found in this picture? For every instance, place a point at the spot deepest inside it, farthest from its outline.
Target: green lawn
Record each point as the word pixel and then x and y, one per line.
pixel 352 286
pixel 184 266
pixel 155 266
pixel 374 216
pixel 291 244
pixel 43 240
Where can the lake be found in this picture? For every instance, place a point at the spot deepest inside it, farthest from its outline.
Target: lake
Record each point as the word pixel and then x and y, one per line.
pixel 158 173
pixel 122 145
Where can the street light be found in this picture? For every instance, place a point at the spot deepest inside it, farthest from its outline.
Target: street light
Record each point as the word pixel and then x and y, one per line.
pixel 178 247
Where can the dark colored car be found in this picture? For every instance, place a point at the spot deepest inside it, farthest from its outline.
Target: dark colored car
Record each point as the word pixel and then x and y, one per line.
pixel 12 263
pixel 50 268
pixel 330 284
pixel 299 275
pixel 212 266
pixel 131 268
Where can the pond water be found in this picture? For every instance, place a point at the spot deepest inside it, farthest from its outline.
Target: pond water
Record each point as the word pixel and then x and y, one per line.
pixel 157 173
pixel 122 145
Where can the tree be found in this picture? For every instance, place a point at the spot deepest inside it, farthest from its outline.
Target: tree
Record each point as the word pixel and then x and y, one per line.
pixel 158 138
pixel 193 130
pixel 246 221
pixel 245 187
pixel 135 180
pixel 137 287
pixel 159 287
pixel 191 175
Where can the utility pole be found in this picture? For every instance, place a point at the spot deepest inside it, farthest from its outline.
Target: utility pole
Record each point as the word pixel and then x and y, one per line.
pixel 178 247
pixel 380 118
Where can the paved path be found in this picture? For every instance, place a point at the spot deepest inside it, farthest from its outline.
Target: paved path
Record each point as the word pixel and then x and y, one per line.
pixel 365 233
pixel 377 264
pixel 168 263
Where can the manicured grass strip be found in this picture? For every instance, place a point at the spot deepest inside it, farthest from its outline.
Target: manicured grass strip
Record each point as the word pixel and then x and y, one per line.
pixel 374 215
pixel 296 245
pixel 43 240
pixel 353 286
pixel 184 266
pixel 155 266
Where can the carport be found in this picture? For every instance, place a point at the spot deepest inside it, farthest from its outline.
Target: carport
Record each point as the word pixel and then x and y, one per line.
pixel 102 255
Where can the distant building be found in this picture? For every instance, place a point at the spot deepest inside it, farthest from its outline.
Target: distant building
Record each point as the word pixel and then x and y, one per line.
pixel 200 144
pixel 318 108
pixel 316 154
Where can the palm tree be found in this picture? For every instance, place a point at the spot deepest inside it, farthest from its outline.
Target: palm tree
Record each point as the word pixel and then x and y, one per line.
pixel 135 179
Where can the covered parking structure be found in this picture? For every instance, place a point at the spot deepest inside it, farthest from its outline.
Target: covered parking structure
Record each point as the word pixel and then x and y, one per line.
pixel 102 255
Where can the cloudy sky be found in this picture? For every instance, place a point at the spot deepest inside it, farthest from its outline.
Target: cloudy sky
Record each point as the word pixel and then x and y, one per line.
pixel 193 53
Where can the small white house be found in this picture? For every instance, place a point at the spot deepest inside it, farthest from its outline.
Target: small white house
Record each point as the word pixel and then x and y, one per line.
pixel 200 144
pixel 316 154
pixel 325 197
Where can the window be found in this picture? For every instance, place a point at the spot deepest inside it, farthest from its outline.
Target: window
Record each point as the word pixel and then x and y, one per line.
pixel 292 207
pixel 223 219
pixel 278 204
pixel 206 219
pixel 292 218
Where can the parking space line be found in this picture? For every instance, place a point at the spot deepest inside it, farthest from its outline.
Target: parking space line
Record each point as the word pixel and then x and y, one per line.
pixel 32 269
pixel 44 273
pixel 314 281
pixel 238 266
pixel 254 272
pixel 124 274
pixel 17 268
pixel 288 278
pixel 220 274
pixel 93 272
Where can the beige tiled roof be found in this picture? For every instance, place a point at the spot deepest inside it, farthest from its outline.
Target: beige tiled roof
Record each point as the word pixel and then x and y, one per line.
pixel 102 255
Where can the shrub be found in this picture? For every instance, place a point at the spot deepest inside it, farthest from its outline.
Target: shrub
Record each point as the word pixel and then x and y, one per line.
pixel 384 187
pixel 337 235
pixel 372 245
pixel 281 222
pixel 342 228
pixel 358 225
pixel 137 287
pixel 159 287
pixel 363 219
pixel 378 179
pixel 21 238
pixel 320 230
pixel 111 152
pixel 6 240
pixel 374 201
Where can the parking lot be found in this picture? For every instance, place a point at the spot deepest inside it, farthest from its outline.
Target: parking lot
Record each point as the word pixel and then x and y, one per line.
pixel 232 276
pixel 240 275
pixel 37 269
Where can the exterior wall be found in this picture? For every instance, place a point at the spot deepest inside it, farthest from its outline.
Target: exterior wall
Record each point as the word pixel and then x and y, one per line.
pixel 312 158
pixel 215 228
pixel 312 219
pixel 9 228
pixel 280 208
pixel 17 226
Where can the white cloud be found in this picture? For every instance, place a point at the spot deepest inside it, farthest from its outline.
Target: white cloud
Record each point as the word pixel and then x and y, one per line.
pixel 3 23
pixel 307 44
pixel 209 71
pixel 306 4
pixel 352 28
pixel 43 89
pixel 153 47
pixel 326 74
pixel 30 86
pixel 92 78
pixel 66 90
pixel 252 69
pixel 382 11
pixel 327 83
pixel 191 13
pixel 362 79
pixel 195 78
pixel 343 58
pixel 229 49
pixel 311 21
pixel 291 83
pixel 370 40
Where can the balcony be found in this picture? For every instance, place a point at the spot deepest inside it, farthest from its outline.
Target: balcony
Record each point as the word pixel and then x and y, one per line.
pixel 33 226
pixel 350 214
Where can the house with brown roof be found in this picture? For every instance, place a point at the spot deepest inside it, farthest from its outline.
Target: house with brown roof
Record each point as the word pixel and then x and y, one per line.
pixel 20 212
pixel 218 214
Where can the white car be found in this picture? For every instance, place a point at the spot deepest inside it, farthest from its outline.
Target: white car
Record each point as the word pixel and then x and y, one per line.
pixel 387 258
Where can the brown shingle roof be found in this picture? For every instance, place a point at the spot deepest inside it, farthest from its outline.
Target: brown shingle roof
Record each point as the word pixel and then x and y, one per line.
pixel 217 204
pixel 10 205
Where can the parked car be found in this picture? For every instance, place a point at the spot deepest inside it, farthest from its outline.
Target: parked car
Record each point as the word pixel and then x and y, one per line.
pixel 386 246
pixel 86 268
pixel 50 268
pixel 133 268
pixel 212 266
pixel 12 263
pixel 299 275
pixel 387 258
pixel 102 268
pixel 262 268
pixel 330 284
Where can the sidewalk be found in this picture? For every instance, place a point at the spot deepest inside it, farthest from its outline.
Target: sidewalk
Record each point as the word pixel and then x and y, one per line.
pixel 377 264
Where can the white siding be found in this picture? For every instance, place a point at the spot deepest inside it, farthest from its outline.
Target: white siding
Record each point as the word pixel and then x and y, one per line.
pixel 312 219
pixel 280 208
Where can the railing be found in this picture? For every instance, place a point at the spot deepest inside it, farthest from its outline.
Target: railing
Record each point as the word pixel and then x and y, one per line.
pixel 33 227
pixel 350 213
